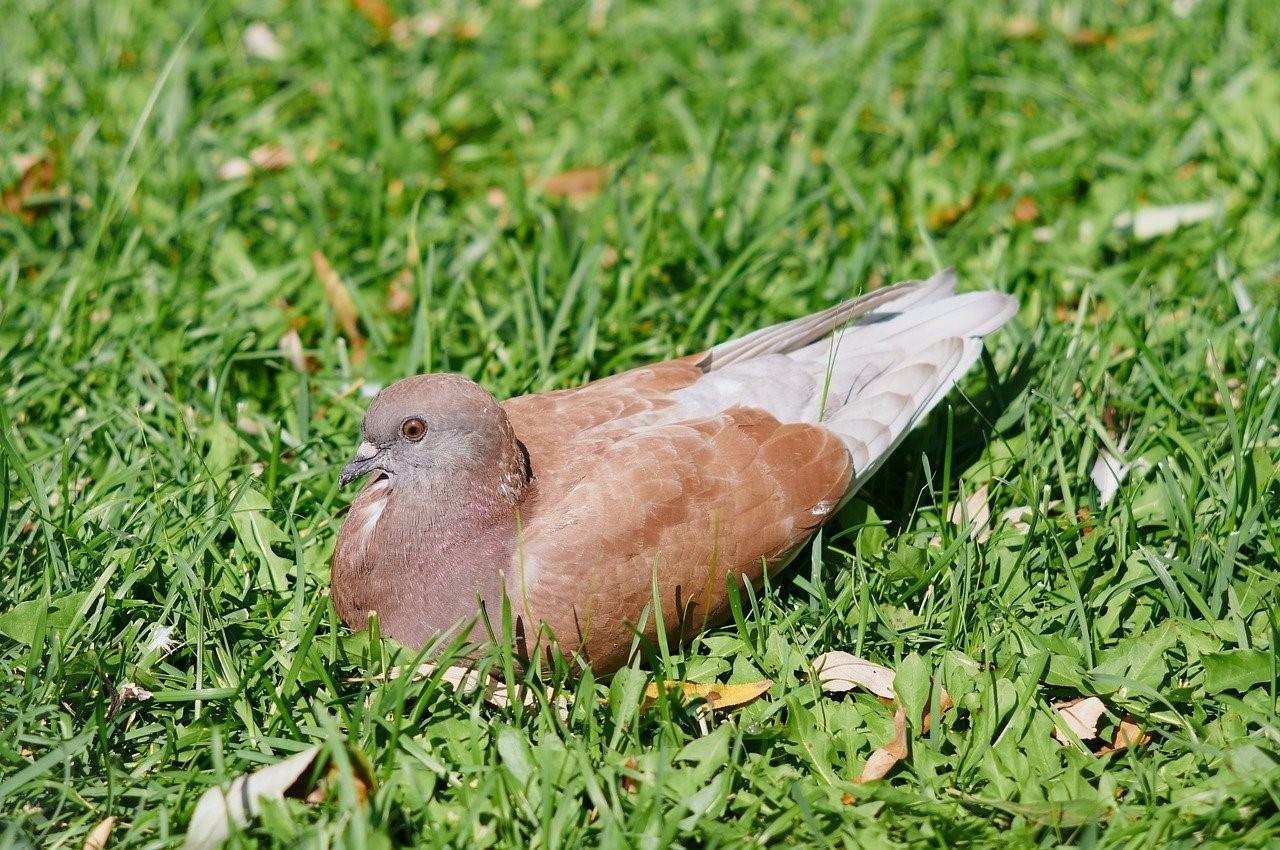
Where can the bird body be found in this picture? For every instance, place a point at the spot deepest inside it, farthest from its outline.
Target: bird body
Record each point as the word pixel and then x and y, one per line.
pixel 583 506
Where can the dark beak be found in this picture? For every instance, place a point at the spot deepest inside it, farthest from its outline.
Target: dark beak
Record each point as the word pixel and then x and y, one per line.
pixel 368 458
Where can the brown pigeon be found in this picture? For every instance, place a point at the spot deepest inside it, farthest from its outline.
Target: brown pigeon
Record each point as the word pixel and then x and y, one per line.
pixel 666 482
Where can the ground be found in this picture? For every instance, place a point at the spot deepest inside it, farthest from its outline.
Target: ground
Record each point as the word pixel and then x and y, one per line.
pixel 216 238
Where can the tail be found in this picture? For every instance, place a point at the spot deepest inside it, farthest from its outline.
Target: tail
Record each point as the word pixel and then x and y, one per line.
pixel 870 382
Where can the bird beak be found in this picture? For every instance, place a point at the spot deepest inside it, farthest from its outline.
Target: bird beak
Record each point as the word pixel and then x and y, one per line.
pixel 366 460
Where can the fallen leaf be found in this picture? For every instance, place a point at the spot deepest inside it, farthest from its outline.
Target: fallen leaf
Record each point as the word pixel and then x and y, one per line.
pixel 939 217
pixel 238 802
pixel 1081 716
pixel 36 173
pixel 377 13
pixel 291 349
pixel 1086 37
pixel 261 43
pixel 235 168
pixel 576 185
pixel 1025 210
pixel 976 510
pixel 1022 26
pixel 1017 517
pixel 881 761
pixel 271 157
pixel 219 808
pixel 97 837
pixel 841 671
pixel 400 293
pixel 1108 473
pixel 344 307
pixel 717 696
pixel 466 681
pixel 1150 222
pixel 1128 734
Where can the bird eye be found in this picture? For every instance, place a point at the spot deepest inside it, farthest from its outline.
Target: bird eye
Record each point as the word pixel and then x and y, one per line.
pixel 413 429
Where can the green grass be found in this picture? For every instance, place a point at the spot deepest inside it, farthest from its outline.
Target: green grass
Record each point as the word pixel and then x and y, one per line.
pixel 163 464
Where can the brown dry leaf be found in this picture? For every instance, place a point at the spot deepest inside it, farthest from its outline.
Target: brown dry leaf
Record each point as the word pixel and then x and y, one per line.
pixel 880 762
pixel 377 13
pixel 97 837
pixel 344 307
pixel 400 293
pixel 1022 26
pixel 576 185
pixel 465 681
pixel 717 695
pixel 1025 210
pixel 1088 37
pixel 271 157
pixel 1128 734
pixel 1081 716
pixel 841 671
pixel 237 803
pixel 947 215
pixel 291 348
pixel 36 173
pixel 978 512
pixel 235 168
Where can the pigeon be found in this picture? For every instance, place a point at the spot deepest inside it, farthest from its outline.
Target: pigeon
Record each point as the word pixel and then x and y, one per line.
pixel 605 512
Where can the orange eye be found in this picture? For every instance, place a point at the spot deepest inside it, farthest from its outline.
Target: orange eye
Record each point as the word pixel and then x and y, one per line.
pixel 413 429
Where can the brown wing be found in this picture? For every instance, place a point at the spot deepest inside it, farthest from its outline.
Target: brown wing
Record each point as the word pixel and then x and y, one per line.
pixel 696 501
pixel 549 423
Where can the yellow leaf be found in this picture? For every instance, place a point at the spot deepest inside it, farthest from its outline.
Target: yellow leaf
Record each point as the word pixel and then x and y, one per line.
pixel 717 695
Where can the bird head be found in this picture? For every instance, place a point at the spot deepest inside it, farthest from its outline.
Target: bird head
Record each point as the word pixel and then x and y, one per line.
pixel 430 428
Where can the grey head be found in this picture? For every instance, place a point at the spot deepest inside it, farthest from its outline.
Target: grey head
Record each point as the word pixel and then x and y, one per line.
pixel 431 428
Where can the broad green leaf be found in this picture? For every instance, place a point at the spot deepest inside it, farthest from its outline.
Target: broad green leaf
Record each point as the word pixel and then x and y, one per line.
pixel 1237 669
pixel 20 622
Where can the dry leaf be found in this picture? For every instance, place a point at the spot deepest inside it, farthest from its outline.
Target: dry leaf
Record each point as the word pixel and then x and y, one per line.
pixel 465 681
pixel 1017 517
pixel 977 511
pixel 291 348
pixel 1022 26
pixel 1025 210
pixel 880 762
pixel 1108 473
pixel 576 185
pixel 841 671
pixel 271 157
pixel 1081 716
pixel 948 214
pixel 716 695
pixel 1128 734
pixel 1150 222
pixel 236 168
pixel 377 13
pixel 344 307
pixel 36 174
pixel 400 293
pixel 261 43
pixel 238 802
pixel 97 837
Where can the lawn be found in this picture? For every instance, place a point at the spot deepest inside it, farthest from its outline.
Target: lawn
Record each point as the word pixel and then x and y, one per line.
pixel 224 225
